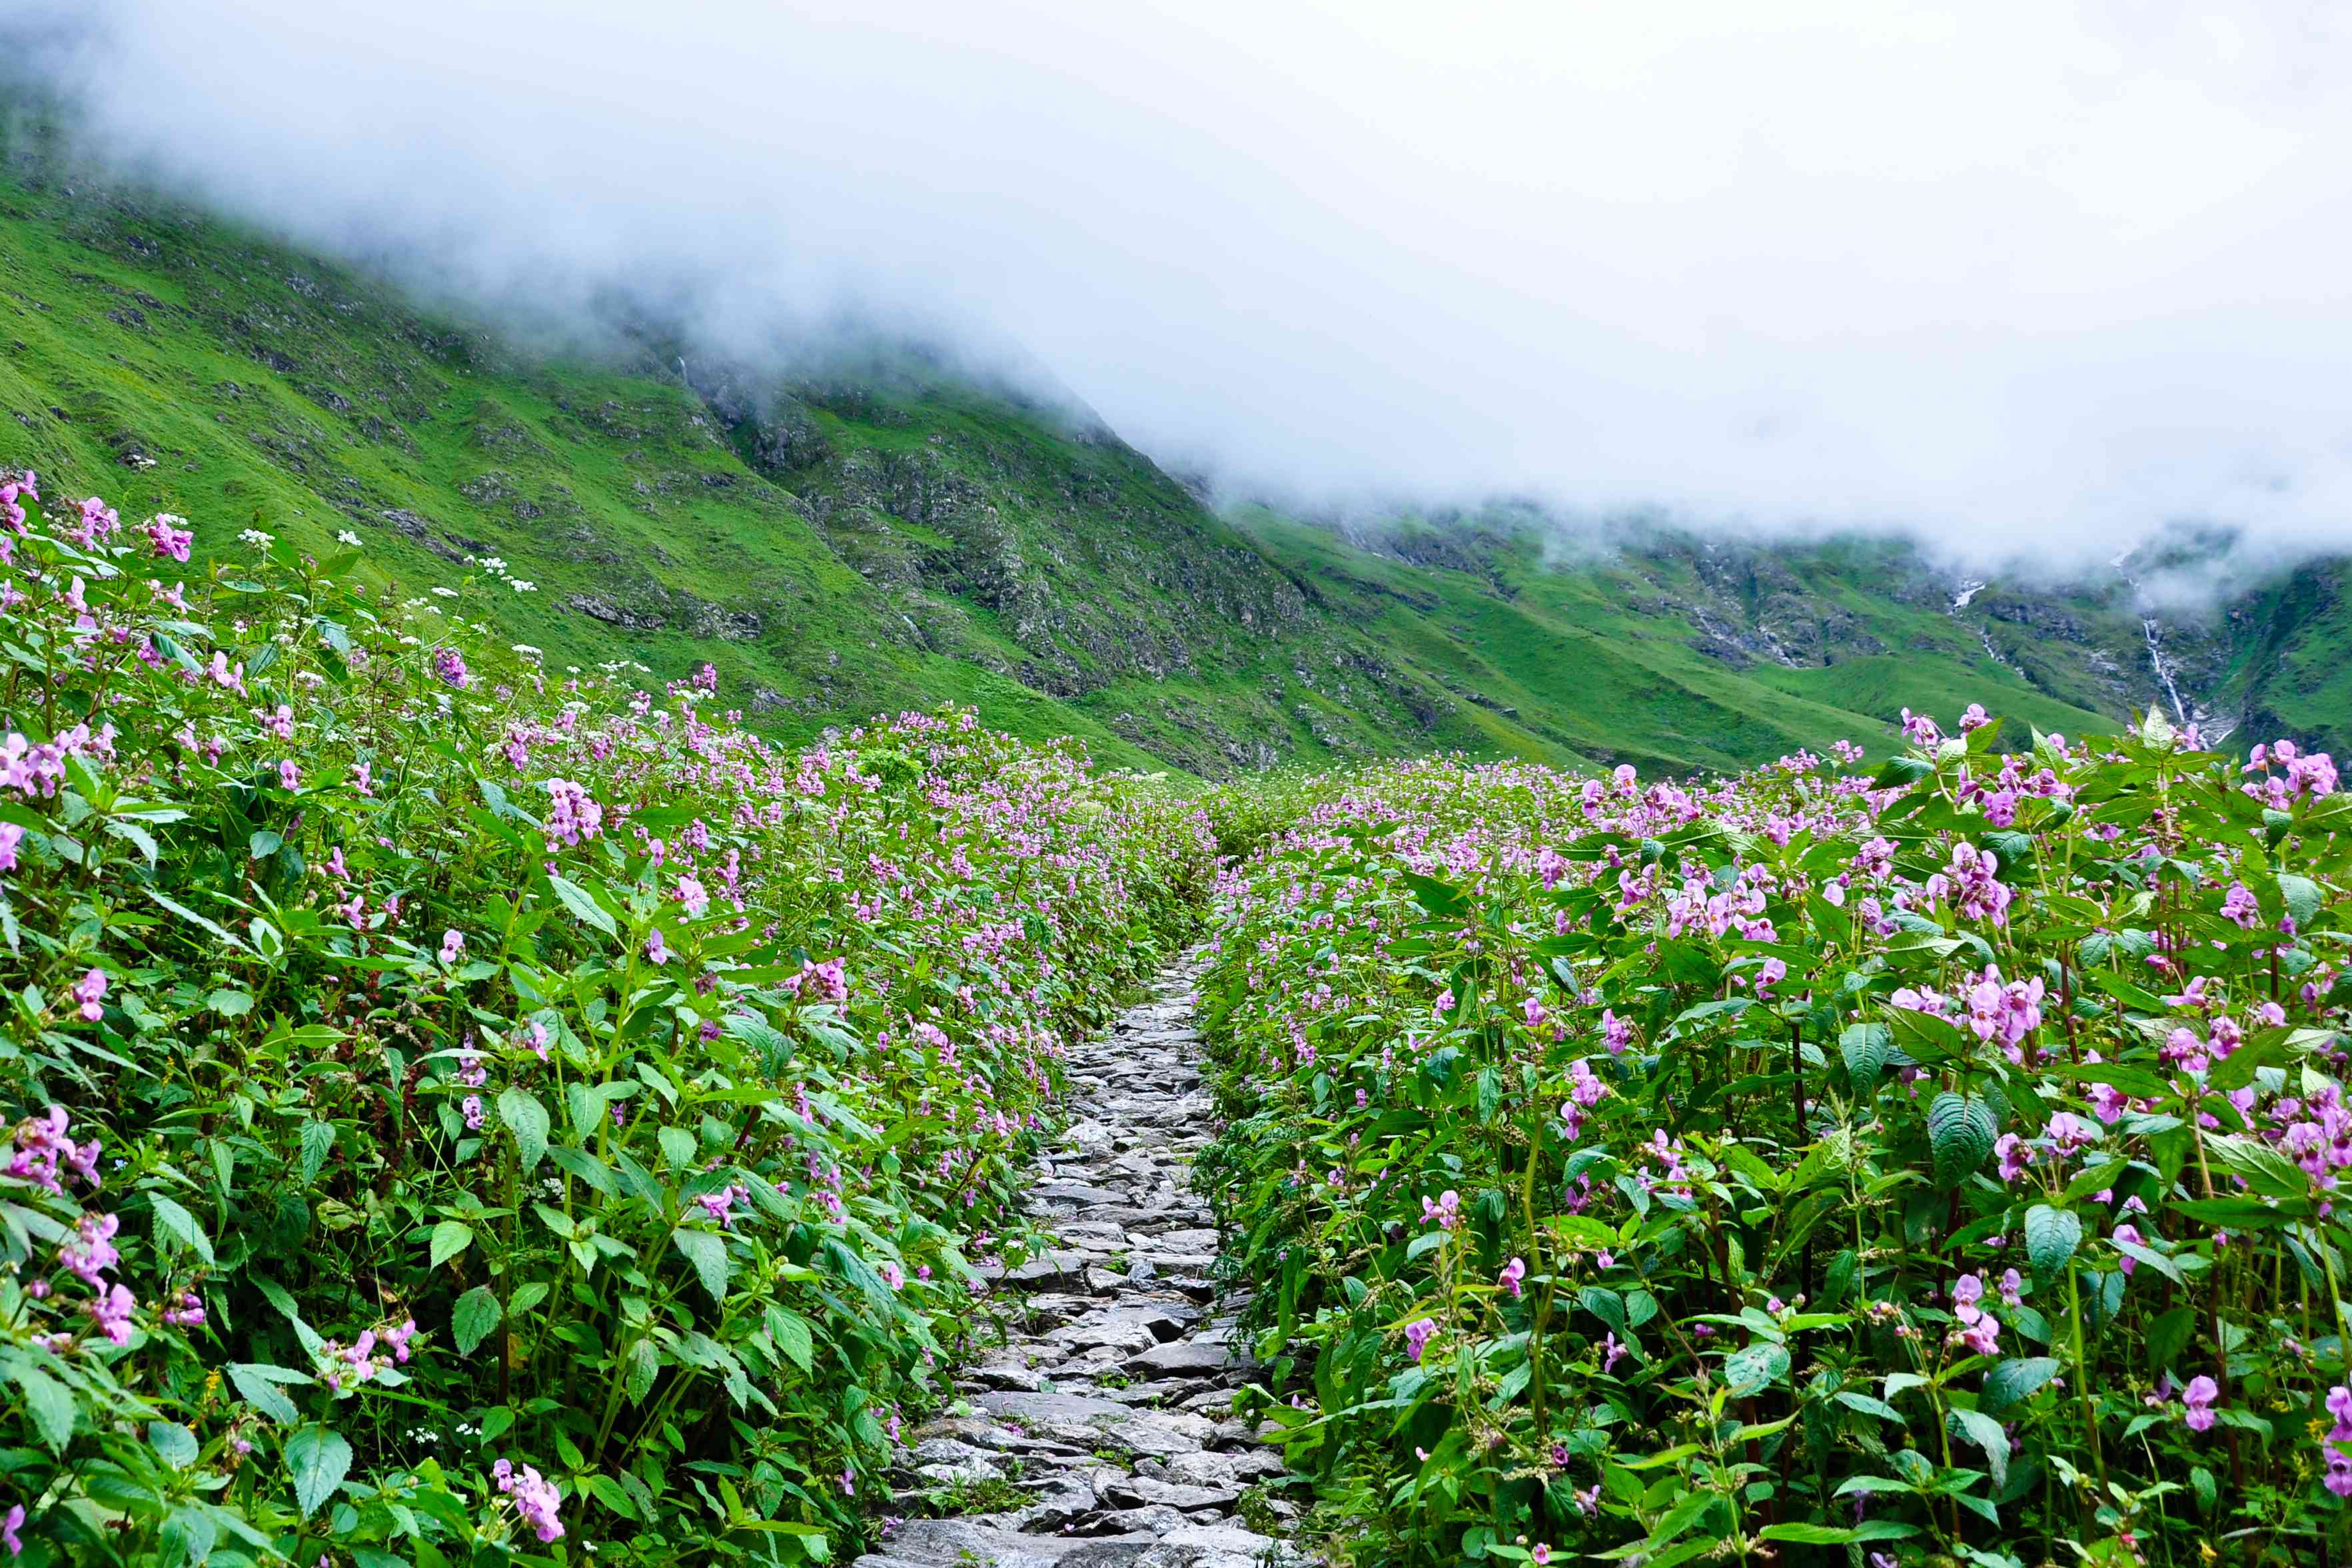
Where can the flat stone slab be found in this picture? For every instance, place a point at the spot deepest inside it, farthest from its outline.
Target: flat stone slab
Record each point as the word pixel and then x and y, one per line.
pixel 1013 1406
pixel 1183 1357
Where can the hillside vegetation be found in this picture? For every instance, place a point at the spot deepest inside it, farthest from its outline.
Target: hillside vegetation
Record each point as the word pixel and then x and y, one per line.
pixel 885 533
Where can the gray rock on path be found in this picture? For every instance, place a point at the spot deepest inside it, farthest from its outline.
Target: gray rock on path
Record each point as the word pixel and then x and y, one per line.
pixel 1110 1407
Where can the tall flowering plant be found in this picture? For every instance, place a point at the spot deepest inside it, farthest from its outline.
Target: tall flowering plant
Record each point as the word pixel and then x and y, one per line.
pixel 1934 1163
pixel 459 1107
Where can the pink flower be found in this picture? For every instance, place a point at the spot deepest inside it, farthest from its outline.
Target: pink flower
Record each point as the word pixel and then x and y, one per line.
pixel 112 1310
pixel 11 835
pixel 1416 1336
pixel 2129 1233
pixel 535 1497
pixel 2015 1154
pixel 8 1528
pixel 2197 1399
pixel 657 950
pixel 1615 1032
pixel 289 776
pixel 87 990
pixel 1513 1272
pixel 171 543
pixel 453 945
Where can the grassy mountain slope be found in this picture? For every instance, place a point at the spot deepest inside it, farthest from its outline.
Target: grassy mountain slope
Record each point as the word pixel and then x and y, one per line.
pixel 889 533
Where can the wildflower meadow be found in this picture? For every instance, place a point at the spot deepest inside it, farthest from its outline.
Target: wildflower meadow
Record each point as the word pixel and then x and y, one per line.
pixel 1926 1164
pixel 459 1111
pixel 462 1112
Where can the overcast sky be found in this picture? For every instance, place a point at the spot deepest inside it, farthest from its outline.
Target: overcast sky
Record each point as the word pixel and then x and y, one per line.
pixel 2032 275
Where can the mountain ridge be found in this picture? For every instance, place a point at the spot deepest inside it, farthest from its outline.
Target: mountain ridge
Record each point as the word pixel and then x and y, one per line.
pixel 894 532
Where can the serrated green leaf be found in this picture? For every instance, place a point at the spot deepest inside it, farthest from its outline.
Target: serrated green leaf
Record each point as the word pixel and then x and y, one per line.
pixel 583 904
pixel 1960 1132
pixel 1758 1365
pixel 317 1142
pixel 475 1315
pixel 706 1250
pixel 176 1222
pixel 48 1402
pixel 2050 1236
pixel 2015 1380
pixel 450 1237
pixel 528 1120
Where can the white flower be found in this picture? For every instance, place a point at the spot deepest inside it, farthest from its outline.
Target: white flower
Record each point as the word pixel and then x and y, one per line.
pixel 348 538
pixel 527 651
pixel 490 563
pixel 519 586
pixel 256 538
pixel 446 592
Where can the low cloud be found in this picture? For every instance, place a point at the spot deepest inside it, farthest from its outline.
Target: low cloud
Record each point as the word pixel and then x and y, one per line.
pixel 2021 277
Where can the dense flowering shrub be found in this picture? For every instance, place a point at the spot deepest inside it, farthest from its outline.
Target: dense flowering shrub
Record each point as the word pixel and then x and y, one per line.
pixel 454 1113
pixel 1938 1166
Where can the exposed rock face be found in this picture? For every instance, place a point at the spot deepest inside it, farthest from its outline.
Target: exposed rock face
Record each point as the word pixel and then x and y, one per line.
pixel 1108 1408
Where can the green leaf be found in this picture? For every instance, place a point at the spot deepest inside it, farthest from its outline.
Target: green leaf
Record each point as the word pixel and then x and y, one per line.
pixel 2267 1173
pixel 528 1120
pixel 48 1402
pixel 2050 1236
pixel 1606 1304
pixel 1960 1132
pixel 1985 1432
pixel 177 1222
pixel 1832 1535
pixel 230 1004
pixel 644 1365
pixel 2303 898
pixel 173 1443
pixel 450 1237
pixel 1746 1371
pixel 608 1491
pixel 586 1166
pixel 1865 1046
pixel 475 1315
pixel 317 1142
pixel 706 1250
pixel 583 904
pixel 187 1537
pixel 320 1458
pixel 1869 1406
pixel 790 1333
pixel 2014 1380
pixel 257 1385
pixel 2150 1256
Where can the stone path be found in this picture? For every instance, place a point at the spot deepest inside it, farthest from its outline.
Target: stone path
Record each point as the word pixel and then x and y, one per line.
pixel 1102 1435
